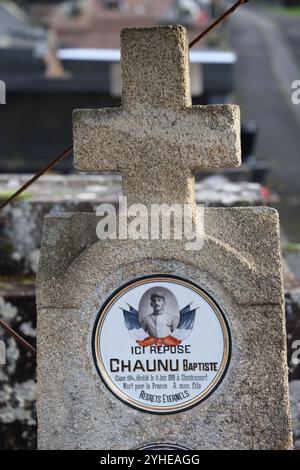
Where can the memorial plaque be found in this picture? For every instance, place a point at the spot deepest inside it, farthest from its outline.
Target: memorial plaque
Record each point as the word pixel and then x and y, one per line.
pixel 161 344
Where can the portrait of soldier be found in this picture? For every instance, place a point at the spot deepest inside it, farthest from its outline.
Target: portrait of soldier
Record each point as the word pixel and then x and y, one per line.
pixel 161 321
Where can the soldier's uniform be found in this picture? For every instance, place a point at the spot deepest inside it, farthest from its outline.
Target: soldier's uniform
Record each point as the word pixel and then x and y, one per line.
pixel 159 325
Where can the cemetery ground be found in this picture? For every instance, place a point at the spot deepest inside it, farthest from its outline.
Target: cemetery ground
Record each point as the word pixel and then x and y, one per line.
pixel 261 99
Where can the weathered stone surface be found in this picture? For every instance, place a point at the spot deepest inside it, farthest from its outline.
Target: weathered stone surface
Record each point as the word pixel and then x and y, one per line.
pixel 241 243
pixel 240 414
pixel 21 223
pixel 250 409
pixel 157 139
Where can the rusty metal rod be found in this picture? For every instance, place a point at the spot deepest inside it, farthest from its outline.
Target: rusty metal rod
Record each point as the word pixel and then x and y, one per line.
pixel 17 337
pixel 217 22
pixel 40 173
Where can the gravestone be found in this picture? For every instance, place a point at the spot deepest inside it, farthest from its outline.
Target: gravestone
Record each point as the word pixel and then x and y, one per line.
pixel 141 342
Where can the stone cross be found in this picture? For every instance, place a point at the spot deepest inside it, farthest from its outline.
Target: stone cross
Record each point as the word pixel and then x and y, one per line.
pixel 156 139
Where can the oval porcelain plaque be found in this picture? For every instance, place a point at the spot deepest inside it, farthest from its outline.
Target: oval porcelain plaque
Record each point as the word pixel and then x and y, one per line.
pixel 161 344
